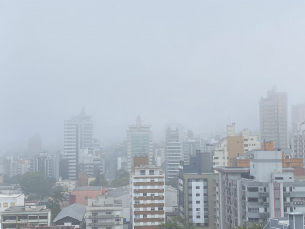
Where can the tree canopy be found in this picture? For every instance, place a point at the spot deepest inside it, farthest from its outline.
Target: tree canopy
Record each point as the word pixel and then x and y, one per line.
pixel 121 173
pixel 119 182
pixel 99 180
pixel 176 223
pixel 35 182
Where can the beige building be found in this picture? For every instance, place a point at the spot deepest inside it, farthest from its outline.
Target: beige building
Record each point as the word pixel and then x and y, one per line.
pixel 233 145
pixel 147 195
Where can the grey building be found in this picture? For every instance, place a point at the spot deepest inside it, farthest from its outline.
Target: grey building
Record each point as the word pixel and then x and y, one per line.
pixel 104 212
pixel 139 142
pixel 297 115
pixel 78 134
pixel 172 153
pixel 74 215
pixel 45 163
pixel 16 217
pixel 189 147
pixel 294 220
pixel 273 118
pixel 254 194
pixel 196 192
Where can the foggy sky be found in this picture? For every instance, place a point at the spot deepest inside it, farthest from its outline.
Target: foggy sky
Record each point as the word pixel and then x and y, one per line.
pixel 197 63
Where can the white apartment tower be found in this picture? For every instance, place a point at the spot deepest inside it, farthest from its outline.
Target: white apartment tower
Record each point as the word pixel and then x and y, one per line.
pixel 139 142
pixel 147 195
pixel 78 134
pixel 172 153
pixel 273 118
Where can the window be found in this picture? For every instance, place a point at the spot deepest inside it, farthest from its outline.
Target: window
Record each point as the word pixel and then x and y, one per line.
pixel 152 180
pixel 142 172
pixel 197 187
pixel 197 202
pixel 108 227
pixel 160 209
pixel 144 216
pixel 12 204
pixel 94 221
pixel 108 213
pixel 117 220
pixel 94 213
pixel 197 194
pixel 198 216
pixel 152 209
pixel 151 172
pixel 198 209
pixel 5 205
pixel 152 194
pixel 144 194
pixel 94 227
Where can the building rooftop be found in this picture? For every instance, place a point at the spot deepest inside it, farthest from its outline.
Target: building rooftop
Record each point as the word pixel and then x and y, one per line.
pixel 75 211
pixel 10 196
pixel 26 209
pixel 88 188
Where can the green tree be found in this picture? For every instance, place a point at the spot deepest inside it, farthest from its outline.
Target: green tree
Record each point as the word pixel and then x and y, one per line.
pixel 249 226
pixel 119 182
pixel 121 173
pixel 99 180
pixel 35 182
pixel 177 223
pixel 57 198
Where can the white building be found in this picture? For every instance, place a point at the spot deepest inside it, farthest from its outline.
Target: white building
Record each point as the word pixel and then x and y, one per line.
pixel 233 145
pixel 139 142
pixel 67 184
pixel 78 134
pixel 172 153
pixel 299 143
pixel 104 212
pixel 159 157
pixel 189 147
pixel 147 197
pixel 7 201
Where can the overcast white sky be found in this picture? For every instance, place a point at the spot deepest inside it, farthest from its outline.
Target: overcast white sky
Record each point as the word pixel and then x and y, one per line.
pixel 191 62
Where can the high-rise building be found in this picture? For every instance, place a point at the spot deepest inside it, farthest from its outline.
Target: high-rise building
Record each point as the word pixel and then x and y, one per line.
pixel 139 142
pixel 45 163
pixel 254 194
pixel 78 134
pixel 298 115
pixel 273 118
pixel 233 145
pixel 147 188
pixel 34 145
pixel 189 147
pixel 196 192
pixel 299 143
pixel 172 153
pixel 159 156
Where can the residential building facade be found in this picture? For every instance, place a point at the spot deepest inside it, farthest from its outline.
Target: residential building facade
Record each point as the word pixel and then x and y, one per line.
pixel 233 145
pixel 189 147
pixel 78 134
pixel 147 188
pixel 254 194
pixel 196 192
pixel 172 153
pixel 273 118
pixel 104 212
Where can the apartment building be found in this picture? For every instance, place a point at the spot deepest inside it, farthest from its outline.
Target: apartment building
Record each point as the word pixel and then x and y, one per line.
pixel 139 142
pixel 297 115
pixel 273 118
pixel 254 194
pixel 294 220
pixel 18 217
pixel 147 195
pixel 78 134
pixel 172 153
pixel 196 192
pixel 233 145
pixel 189 147
pixel 45 163
pixel 299 142
pixel 104 212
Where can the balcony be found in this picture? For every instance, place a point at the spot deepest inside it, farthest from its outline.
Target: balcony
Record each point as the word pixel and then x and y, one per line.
pixel 264 215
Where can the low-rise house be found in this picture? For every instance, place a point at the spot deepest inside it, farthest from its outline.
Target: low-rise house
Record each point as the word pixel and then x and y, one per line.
pixel 7 201
pixel 72 215
pixel 18 217
pixel 104 212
